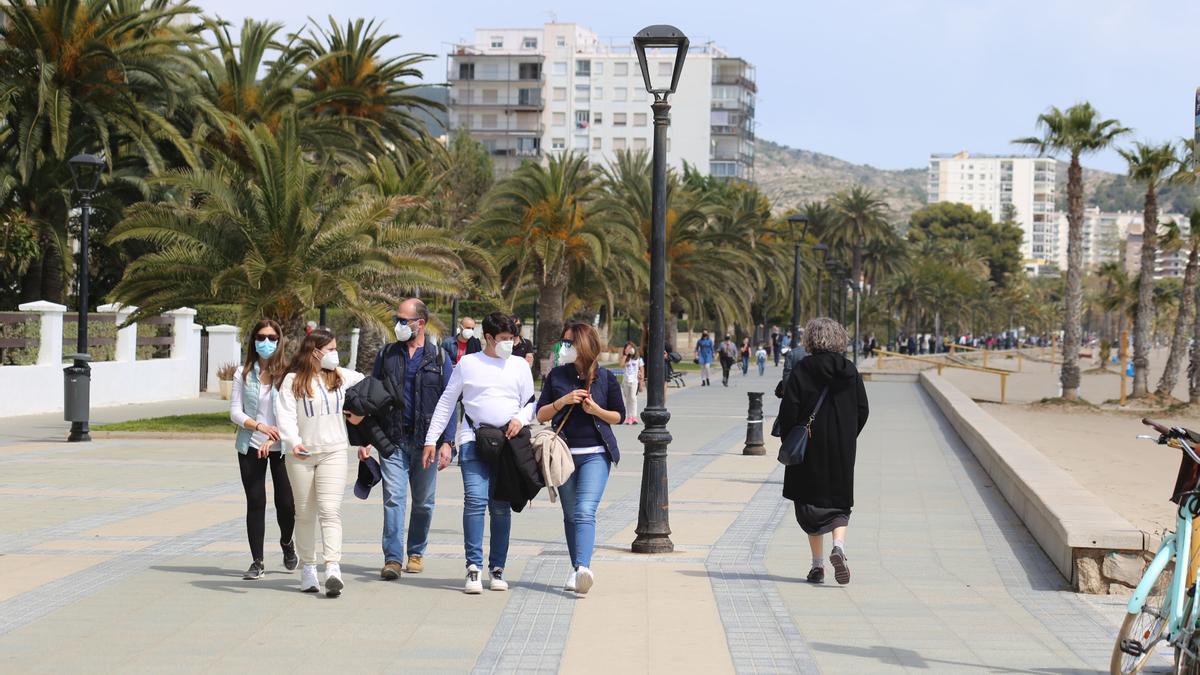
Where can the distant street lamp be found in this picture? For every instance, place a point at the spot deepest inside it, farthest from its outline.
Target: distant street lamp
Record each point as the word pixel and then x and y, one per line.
pixel 802 222
pixel 654 528
pixel 834 268
pixel 85 174
pixel 823 249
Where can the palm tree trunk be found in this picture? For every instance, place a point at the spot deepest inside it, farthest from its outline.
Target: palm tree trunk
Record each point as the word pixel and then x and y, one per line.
pixel 1145 308
pixel 1183 321
pixel 550 319
pixel 1074 299
pixel 1194 361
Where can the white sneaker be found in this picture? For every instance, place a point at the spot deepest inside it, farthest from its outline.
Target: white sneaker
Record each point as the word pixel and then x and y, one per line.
pixel 496 580
pixel 474 585
pixel 570 586
pixel 308 580
pixel 584 580
pixel 333 580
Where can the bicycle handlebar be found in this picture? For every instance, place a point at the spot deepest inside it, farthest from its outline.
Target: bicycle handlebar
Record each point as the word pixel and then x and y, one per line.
pixel 1162 429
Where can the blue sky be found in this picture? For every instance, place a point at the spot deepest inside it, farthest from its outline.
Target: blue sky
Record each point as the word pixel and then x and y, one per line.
pixel 880 83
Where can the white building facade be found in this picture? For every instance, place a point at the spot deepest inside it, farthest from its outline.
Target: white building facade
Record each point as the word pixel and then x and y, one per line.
pixel 528 92
pixel 995 183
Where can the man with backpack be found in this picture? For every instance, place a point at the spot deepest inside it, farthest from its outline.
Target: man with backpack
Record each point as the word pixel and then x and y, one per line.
pixel 728 352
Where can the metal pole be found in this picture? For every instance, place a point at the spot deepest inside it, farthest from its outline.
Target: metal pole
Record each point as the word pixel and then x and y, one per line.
pixel 842 292
pixel 754 425
pixel 322 319
pixel 796 299
pixel 79 428
pixel 829 305
pixel 454 317
pixel 819 275
pixel 653 528
pixel 857 325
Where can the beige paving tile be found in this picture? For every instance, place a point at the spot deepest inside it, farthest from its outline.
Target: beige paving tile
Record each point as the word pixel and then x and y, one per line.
pixel 175 521
pixel 22 573
pixel 95 544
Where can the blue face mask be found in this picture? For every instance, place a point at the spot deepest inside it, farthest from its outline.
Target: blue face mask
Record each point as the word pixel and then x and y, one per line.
pixel 265 348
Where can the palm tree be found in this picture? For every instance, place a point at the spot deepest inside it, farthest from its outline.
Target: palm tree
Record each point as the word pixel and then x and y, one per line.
pixel 83 76
pixel 1187 307
pixel 547 221
pixel 279 238
pixel 1076 131
pixel 1151 165
pixel 859 218
pixel 1120 296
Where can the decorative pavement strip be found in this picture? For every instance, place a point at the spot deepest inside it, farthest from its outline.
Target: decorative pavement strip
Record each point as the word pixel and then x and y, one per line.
pixel 532 631
pixel 1026 572
pixel 761 634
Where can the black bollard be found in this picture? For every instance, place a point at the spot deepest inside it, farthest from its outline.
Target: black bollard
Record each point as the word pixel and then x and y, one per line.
pixel 754 425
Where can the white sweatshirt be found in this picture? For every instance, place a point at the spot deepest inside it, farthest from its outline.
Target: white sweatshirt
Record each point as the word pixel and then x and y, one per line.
pixel 493 392
pixel 314 421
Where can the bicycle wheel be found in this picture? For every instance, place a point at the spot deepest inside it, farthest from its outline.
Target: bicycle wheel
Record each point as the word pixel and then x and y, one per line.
pixel 1187 656
pixel 1141 632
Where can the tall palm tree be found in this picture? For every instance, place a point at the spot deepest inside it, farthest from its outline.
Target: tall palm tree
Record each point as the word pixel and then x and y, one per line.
pixel 1076 131
pixel 1151 165
pixel 547 221
pixel 1187 308
pixel 860 218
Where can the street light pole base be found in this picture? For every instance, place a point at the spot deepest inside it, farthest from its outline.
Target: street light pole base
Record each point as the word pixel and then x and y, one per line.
pixel 754 450
pixel 653 543
pixel 80 433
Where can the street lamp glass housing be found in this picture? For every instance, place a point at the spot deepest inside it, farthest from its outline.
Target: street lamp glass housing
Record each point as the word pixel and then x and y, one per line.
pixel 85 172
pixel 800 220
pixel 661 45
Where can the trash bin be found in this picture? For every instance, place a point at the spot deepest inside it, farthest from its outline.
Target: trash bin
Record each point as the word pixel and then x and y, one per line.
pixel 76 388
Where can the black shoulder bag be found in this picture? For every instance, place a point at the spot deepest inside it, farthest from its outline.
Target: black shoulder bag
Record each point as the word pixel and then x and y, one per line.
pixel 795 444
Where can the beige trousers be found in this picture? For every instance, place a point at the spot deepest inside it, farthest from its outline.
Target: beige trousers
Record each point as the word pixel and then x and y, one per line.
pixel 318 484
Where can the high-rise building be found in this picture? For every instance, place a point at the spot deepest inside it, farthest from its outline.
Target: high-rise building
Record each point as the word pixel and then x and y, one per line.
pixel 998 184
pixel 526 92
pixel 1167 264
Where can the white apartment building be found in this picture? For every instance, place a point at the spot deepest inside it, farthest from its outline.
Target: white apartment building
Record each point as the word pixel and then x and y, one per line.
pixel 1166 265
pixel 527 92
pixel 994 183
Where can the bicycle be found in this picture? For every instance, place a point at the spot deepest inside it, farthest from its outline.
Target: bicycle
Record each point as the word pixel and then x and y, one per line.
pixel 1162 609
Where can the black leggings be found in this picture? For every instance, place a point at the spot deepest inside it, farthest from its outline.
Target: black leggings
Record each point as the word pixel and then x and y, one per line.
pixel 254 480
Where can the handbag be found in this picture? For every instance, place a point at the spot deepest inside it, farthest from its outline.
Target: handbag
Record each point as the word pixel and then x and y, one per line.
pixel 795 444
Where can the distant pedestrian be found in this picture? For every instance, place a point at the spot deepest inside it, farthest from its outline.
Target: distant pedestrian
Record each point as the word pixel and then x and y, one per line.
pixel 776 344
pixel 522 347
pixel 728 353
pixel 912 345
pixel 760 357
pixel 634 371
pixel 704 357
pixel 308 405
pixel 822 486
pixel 466 342
pixel 252 408
pixel 744 353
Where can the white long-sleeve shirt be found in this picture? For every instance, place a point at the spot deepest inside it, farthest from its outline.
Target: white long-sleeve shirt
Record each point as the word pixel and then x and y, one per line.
pixel 314 421
pixel 493 391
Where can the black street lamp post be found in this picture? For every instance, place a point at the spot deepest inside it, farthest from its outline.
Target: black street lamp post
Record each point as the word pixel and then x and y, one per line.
pixel 832 267
pixel 85 173
pixel 793 221
pixel 653 527
pixel 823 249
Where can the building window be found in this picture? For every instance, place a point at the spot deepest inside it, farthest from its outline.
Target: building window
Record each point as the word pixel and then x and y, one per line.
pixel 598 118
pixel 529 43
pixel 560 93
pixel 497 42
pixel 597 143
pixel 491 121
pixel 583 68
pixel 529 71
pixel 621 69
pixel 620 94
pixel 560 67
pixel 639 144
pixel 619 119
pixel 466 71
pixel 618 144
pixel 491 95
pixel 558 144
pixel 529 97
pixel 664 68
pixel 559 119
pixel 581 119
pixel 583 92
pixel 560 41
pixel 598 93
pixel 639 119
pixel 598 68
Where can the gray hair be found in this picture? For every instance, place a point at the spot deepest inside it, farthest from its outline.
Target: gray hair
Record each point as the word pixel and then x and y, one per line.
pixel 825 335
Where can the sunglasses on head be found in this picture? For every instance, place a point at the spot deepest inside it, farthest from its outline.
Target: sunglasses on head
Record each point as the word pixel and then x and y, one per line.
pixel 272 338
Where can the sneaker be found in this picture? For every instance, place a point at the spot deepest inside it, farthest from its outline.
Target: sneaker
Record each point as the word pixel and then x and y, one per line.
pixel 584 580
pixel 255 572
pixel 636 421
pixel 841 571
pixel 290 560
pixel 816 575
pixel 308 580
pixel 570 585
pixel 416 564
pixel 333 580
pixel 390 571
pixel 474 586
pixel 496 581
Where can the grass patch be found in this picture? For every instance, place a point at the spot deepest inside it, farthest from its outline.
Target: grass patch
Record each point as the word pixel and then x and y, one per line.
pixel 204 423
pixel 1058 402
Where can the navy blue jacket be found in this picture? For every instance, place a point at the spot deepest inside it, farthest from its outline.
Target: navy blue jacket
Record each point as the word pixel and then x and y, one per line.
pixel 432 378
pixel 583 430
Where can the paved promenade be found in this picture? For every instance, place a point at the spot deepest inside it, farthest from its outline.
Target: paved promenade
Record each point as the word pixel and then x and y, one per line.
pixel 126 555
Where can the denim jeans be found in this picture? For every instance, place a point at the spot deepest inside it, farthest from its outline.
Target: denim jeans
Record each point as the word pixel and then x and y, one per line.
pixel 762 366
pixel 745 364
pixel 580 496
pixel 401 472
pixel 479 483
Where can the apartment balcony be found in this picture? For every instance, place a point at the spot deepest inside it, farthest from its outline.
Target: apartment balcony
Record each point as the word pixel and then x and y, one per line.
pixel 730 104
pixel 504 131
pixel 454 78
pixel 514 152
pixel 531 104
pixel 730 130
pixel 737 80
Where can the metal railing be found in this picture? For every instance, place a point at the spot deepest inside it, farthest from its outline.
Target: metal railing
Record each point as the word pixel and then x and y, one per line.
pixel 942 364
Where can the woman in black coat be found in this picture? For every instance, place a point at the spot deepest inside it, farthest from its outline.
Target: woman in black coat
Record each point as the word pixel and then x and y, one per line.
pixel 822 487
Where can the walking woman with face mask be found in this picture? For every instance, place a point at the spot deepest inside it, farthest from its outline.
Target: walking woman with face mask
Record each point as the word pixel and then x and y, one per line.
pixel 308 405
pixel 252 408
pixel 635 373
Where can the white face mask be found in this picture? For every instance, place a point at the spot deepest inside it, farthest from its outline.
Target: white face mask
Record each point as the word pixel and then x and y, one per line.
pixel 329 360
pixel 504 348
pixel 404 332
pixel 567 355
pixel 466 333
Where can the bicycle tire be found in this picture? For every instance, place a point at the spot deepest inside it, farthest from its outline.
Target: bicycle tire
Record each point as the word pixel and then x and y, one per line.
pixel 1186 661
pixel 1145 628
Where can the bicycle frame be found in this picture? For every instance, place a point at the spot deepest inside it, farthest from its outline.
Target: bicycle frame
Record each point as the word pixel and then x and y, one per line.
pixel 1178 546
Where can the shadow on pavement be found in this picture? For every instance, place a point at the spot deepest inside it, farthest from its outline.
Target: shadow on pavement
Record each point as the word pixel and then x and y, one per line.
pixel 231 581
pixel 908 658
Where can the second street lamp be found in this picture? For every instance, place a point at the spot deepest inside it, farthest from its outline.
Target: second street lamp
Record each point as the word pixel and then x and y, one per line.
pixel 653 526
pixel 85 173
pixel 823 249
pixel 793 221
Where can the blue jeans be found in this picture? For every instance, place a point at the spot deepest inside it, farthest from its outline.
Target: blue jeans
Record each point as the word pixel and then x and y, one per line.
pixel 479 483
pixel 762 366
pixel 745 364
pixel 580 496
pixel 400 472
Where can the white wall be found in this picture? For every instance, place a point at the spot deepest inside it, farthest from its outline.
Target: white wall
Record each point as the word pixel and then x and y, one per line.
pixel 223 347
